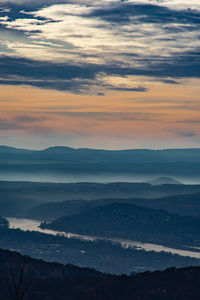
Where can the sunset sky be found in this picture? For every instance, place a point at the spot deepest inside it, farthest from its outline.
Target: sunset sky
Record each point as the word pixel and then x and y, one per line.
pixel 100 74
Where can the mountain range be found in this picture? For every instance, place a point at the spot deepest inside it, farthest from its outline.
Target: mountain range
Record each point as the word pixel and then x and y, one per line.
pixel 62 160
pixel 63 153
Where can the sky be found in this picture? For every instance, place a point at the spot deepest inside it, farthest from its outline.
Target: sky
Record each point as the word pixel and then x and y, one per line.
pixel 100 74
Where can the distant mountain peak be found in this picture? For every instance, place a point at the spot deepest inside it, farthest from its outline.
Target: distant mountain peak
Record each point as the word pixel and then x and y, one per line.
pixel 164 180
pixel 59 148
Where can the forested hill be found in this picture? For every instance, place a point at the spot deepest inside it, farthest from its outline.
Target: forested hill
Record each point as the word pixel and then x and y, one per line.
pixel 58 282
pixel 128 221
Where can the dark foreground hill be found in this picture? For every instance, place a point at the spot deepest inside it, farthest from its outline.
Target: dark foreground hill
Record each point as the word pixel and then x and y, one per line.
pixel 58 282
pixel 128 221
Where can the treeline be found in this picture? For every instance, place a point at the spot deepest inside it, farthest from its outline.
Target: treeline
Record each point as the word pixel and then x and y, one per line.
pixel 58 282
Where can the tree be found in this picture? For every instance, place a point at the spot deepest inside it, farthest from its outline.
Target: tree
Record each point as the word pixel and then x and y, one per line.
pixel 18 287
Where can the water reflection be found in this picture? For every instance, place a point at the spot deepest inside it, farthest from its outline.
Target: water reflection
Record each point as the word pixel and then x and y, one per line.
pixel 32 225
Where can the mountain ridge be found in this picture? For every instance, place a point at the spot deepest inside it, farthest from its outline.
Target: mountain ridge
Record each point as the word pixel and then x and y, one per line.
pixel 100 155
pixel 99 149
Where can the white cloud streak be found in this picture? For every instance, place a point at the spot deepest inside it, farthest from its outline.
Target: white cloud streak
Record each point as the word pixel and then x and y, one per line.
pixel 75 32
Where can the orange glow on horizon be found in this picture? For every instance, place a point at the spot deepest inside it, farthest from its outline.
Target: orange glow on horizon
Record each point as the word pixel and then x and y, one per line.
pixel 161 112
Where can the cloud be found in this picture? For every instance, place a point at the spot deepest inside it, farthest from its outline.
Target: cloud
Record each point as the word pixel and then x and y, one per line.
pixel 29 119
pixel 8 125
pixel 65 45
pixel 133 89
pixel 85 78
pixel 78 79
pixel 185 133
pixel 19 122
pixel 126 12
pixel 190 121
pixel 110 116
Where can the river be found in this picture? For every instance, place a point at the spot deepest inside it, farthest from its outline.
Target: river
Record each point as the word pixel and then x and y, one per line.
pixel 33 225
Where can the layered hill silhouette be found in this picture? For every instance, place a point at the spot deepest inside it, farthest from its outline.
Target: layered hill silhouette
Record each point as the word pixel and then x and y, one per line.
pixel 177 204
pixel 17 198
pixel 62 160
pixel 42 280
